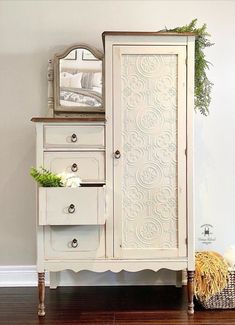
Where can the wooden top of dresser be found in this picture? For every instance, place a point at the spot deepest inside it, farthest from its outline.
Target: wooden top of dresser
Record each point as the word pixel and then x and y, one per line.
pixel 68 119
pixel 142 33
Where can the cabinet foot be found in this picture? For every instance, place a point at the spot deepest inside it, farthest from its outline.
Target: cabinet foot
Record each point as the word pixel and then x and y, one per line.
pixel 41 294
pixel 178 279
pixel 54 280
pixel 190 286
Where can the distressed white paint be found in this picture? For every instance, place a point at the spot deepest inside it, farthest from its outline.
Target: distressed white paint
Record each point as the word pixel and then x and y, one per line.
pixel 26 276
pixel 24 85
pixel 89 165
pixel 115 95
pixel 88 206
pixel 149 85
pixel 74 136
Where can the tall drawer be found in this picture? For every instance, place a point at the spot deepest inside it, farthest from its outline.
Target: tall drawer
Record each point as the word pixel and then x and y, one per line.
pixel 73 136
pixel 89 166
pixel 74 242
pixel 71 206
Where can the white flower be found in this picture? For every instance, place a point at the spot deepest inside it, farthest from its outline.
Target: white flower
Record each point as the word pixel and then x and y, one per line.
pixel 69 180
pixel 74 181
pixel 63 177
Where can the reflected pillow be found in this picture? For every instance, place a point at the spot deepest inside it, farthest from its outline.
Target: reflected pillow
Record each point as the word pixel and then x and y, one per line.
pixel 87 80
pixel 75 81
pixel 97 80
pixel 65 78
pixel 69 80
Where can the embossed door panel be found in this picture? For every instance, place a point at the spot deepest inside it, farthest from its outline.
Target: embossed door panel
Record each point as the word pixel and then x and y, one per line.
pixel 149 123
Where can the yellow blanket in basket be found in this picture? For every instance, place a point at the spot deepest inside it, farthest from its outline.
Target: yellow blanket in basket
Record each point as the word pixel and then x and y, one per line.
pixel 211 274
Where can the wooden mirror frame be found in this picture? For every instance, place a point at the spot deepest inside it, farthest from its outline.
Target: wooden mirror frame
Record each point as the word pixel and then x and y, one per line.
pixel 53 76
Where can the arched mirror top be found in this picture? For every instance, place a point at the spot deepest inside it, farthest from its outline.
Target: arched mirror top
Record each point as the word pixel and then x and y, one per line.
pixel 78 80
pixel 96 53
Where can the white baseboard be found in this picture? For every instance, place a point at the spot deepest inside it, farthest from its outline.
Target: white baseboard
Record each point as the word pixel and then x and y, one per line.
pixel 19 276
pixel 26 276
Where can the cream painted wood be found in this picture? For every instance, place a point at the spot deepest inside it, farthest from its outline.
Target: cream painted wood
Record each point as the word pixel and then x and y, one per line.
pixel 115 265
pixel 50 89
pixel 74 136
pixel 54 279
pixel 190 154
pixel 54 242
pixel 58 107
pixel 144 40
pixel 145 225
pixel 88 165
pixel 39 230
pixel 109 147
pixel 90 241
pixel 72 206
pixel 95 251
pixel 112 41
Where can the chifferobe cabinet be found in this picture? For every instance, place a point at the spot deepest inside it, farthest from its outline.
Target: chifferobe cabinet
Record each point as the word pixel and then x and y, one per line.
pixel 134 210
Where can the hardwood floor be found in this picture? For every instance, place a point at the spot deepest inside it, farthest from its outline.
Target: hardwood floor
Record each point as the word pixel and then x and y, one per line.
pixel 106 305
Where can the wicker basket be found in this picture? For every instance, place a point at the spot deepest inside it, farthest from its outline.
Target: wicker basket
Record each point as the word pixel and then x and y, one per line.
pixel 223 300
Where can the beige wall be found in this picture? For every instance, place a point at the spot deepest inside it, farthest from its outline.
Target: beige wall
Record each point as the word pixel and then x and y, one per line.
pixel 31 31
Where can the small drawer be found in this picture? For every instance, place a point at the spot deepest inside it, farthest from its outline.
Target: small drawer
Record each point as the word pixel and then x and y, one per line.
pixel 74 242
pixel 83 136
pixel 89 166
pixel 71 206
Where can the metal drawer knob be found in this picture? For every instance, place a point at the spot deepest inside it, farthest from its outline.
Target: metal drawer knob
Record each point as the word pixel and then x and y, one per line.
pixel 74 167
pixel 74 243
pixel 71 208
pixel 117 154
pixel 74 138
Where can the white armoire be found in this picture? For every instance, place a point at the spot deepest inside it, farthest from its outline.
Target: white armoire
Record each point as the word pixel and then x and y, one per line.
pixel 138 213
pixel 149 86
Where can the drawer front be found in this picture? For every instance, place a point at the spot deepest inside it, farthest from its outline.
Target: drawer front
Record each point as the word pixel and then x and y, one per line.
pixel 89 166
pixel 74 242
pixel 84 136
pixel 71 206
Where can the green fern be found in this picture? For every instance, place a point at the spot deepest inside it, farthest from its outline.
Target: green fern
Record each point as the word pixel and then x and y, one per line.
pixel 46 178
pixel 203 85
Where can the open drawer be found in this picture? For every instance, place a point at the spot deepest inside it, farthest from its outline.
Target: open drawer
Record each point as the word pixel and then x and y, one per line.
pixel 71 206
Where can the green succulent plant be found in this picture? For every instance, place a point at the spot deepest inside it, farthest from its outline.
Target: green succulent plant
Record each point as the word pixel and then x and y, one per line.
pixel 203 85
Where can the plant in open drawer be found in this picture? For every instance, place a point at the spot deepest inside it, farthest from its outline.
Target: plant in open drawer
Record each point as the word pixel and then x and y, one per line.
pixel 46 178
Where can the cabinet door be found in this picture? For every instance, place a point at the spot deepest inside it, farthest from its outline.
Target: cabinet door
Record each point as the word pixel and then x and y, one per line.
pixel 149 127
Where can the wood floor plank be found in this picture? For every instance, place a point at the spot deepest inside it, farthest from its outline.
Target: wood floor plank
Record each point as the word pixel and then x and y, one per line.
pixel 164 305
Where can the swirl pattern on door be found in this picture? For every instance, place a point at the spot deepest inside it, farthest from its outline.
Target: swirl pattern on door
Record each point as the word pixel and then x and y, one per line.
pixel 149 135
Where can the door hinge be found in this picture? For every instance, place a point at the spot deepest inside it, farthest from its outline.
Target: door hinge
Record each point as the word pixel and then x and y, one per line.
pixel 186 241
pixel 185 151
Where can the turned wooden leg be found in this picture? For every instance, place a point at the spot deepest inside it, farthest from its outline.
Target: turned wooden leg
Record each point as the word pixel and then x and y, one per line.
pixel 190 292
pixel 41 294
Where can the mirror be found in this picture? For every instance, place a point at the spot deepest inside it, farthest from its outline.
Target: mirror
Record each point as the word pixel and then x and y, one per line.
pixel 78 83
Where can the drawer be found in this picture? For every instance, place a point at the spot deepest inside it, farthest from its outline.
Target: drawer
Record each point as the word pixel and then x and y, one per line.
pixel 74 242
pixel 71 206
pixel 73 136
pixel 89 166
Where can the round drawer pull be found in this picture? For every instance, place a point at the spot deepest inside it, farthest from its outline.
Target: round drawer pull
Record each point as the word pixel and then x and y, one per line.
pixel 71 208
pixel 117 154
pixel 74 243
pixel 74 167
pixel 74 138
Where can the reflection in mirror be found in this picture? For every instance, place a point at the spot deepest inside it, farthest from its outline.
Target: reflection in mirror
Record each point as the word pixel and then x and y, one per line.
pixel 80 80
